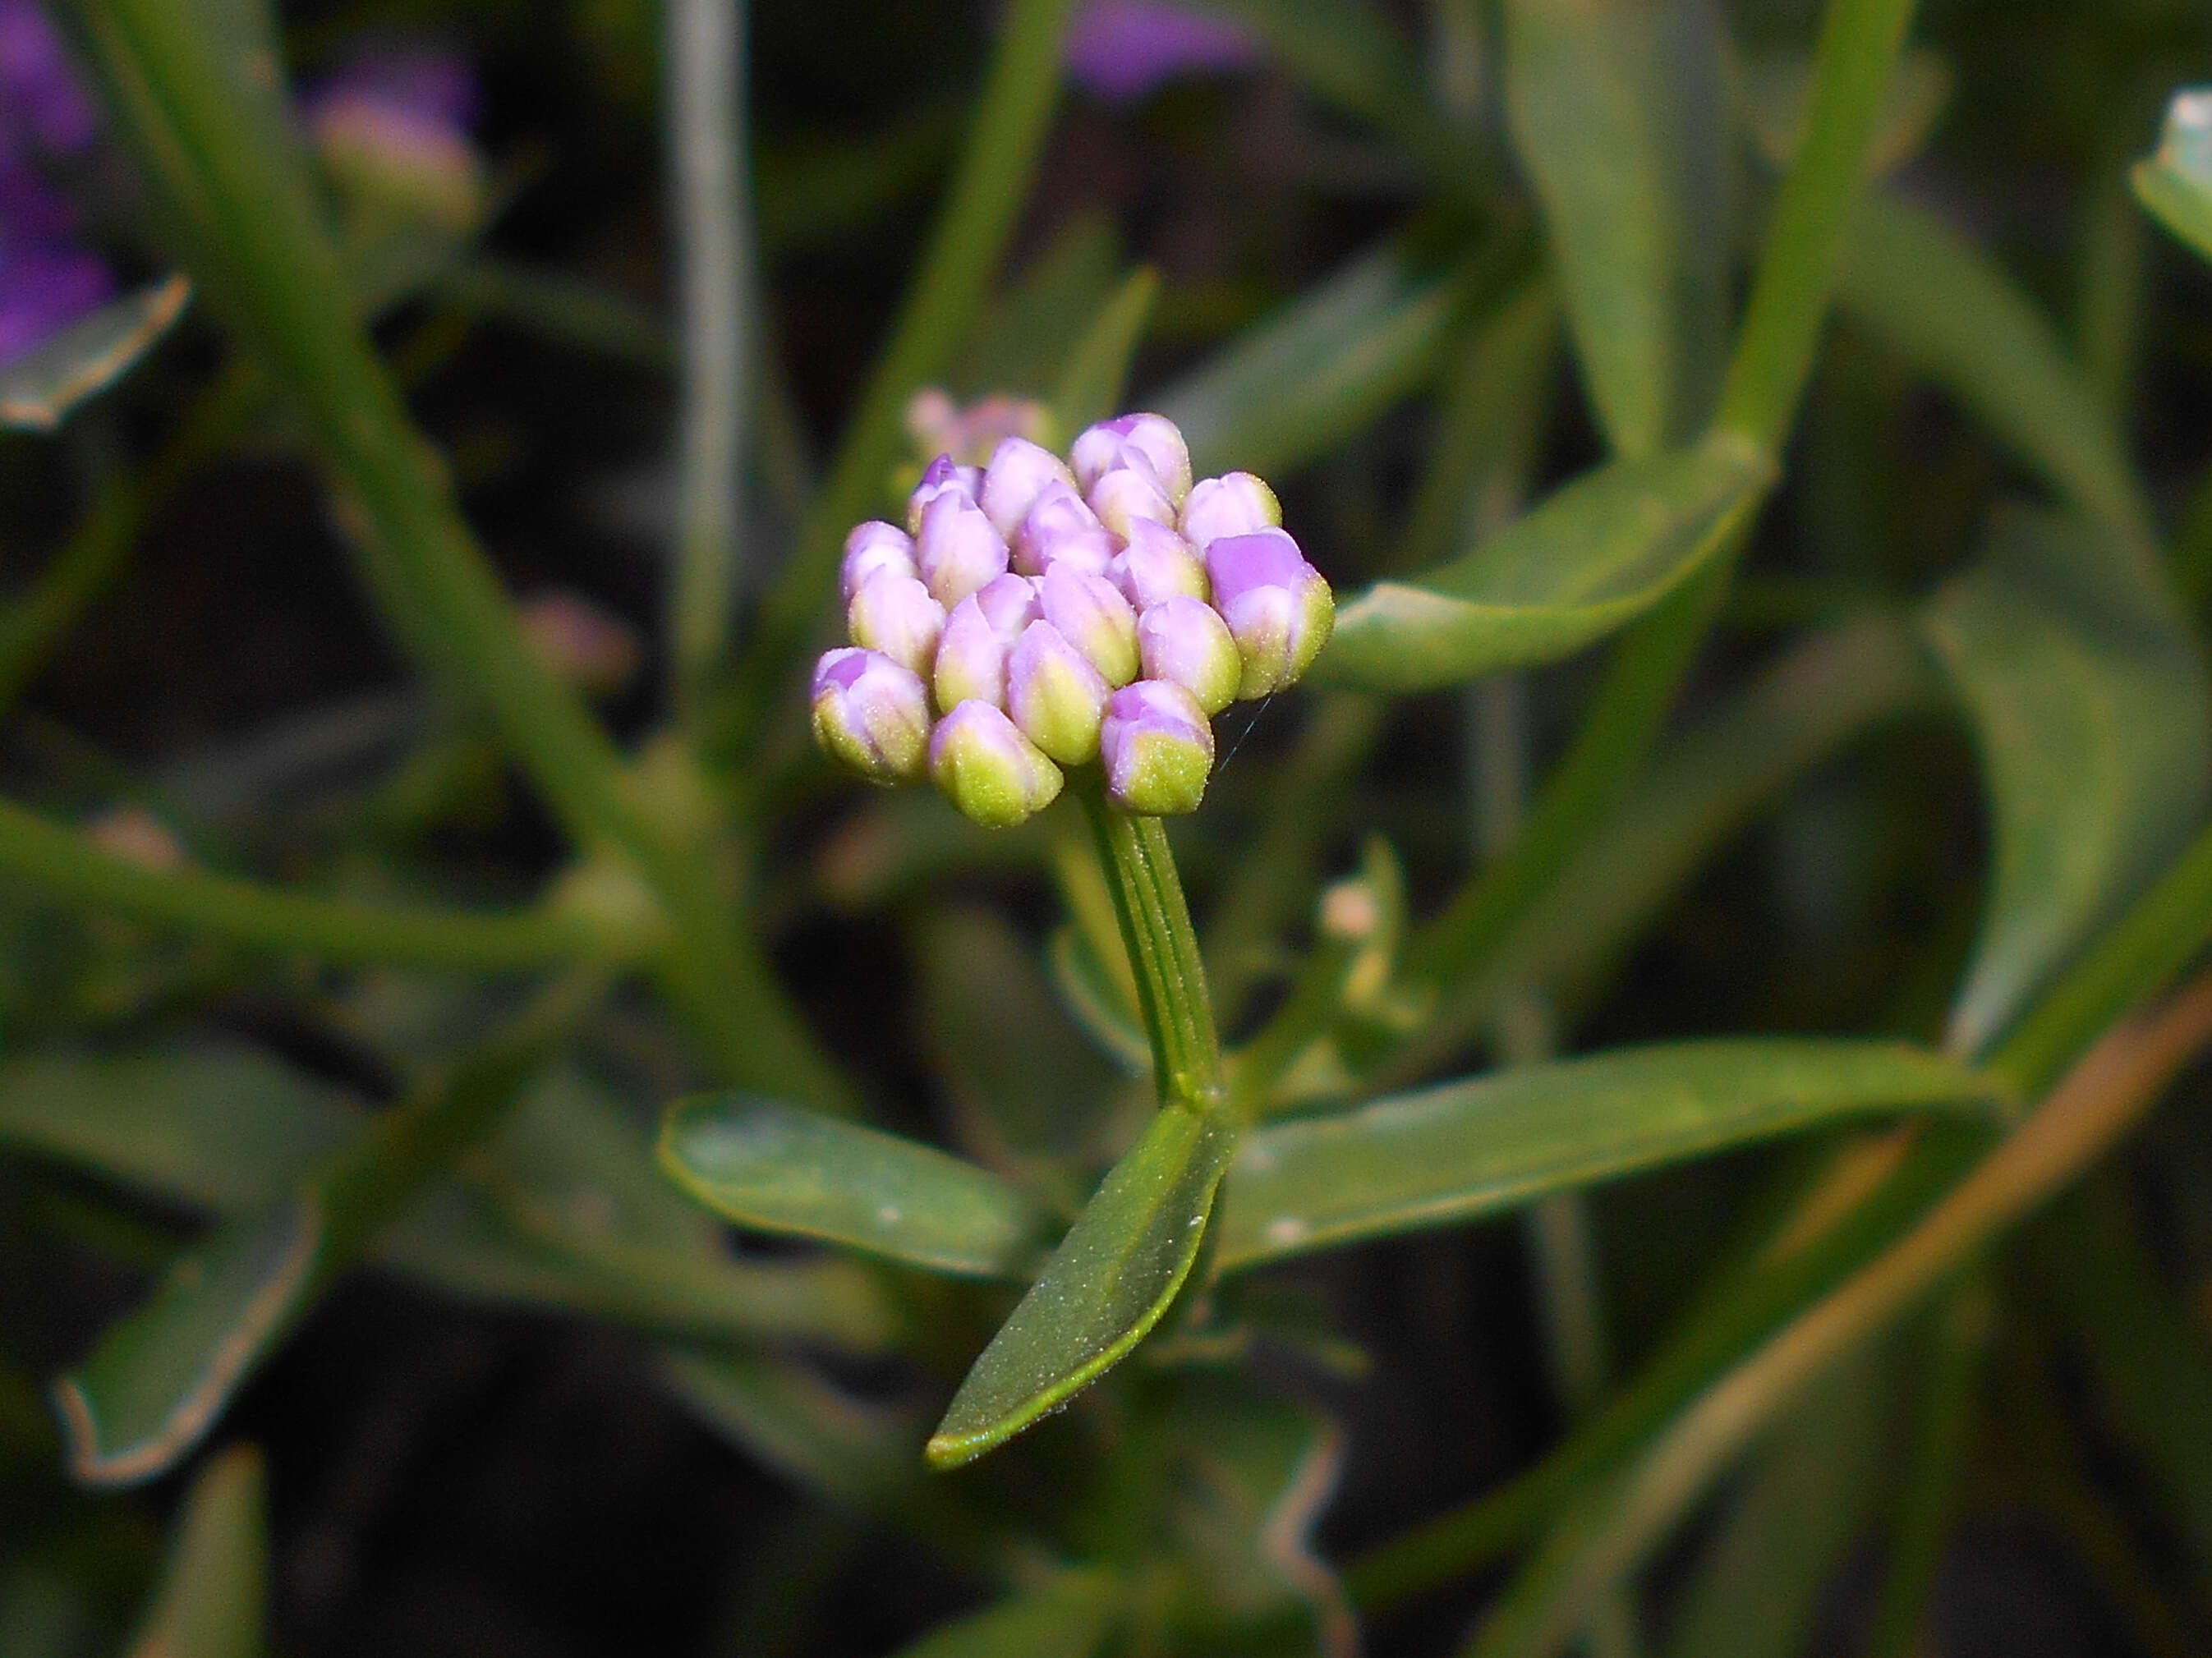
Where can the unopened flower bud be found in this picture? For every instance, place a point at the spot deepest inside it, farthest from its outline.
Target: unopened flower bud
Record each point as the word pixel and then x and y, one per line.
pixel 1158 747
pixel 582 643
pixel 872 547
pixel 392 129
pixel 957 551
pixel 971 659
pixel 894 614
pixel 1054 695
pixel 989 769
pixel 1128 494
pixel 1234 504
pixel 134 834
pixel 1185 641
pixel 1276 606
pixel 941 477
pixel 1017 473
pixel 1060 528
pixel 872 714
pixel 1091 614
pixel 1153 439
pixel 1157 564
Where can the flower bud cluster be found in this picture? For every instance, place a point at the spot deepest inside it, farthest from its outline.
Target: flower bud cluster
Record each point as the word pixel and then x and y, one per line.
pixel 1035 613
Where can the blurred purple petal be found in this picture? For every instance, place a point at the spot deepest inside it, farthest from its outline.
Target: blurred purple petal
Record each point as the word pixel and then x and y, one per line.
pixel 1120 50
pixel 43 288
pixel 436 88
pixel 40 96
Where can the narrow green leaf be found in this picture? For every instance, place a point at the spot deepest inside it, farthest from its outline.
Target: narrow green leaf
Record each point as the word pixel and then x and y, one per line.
pixel 39 389
pixel 227 1129
pixel 1594 556
pixel 1298 383
pixel 161 1374
pixel 777 1170
pixel 1446 1155
pixel 1109 1282
pixel 1020 339
pixel 1097 1001
pixel 1067 1618
pixel 1615 108
pixel 1089 386
pixel 2175 184
pixel 776 1409
pixel 1945 308
pixel 2088 700
pixel 215 1587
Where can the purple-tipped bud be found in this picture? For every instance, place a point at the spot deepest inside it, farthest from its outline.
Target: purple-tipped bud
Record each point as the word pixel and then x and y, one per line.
pixel 872 547
pixel 1157 564
pixel 941 477
pixel 393 129
pixel 1018 474
pixel 1128 494
pixel 1091 614
pixel 989 769
pixel 872 714
pixel 1153 440
pixel 971 659
pixel 1158 748
pixel 1060 528
pixel 1234 504
pixel 894 614
pixel 1276 604
pixel 957 551
pixel 1186 642
pixel 1054 695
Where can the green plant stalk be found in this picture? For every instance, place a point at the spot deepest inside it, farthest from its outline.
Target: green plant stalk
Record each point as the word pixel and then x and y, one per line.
pixel 257 241
pixel 1957 1340
pixel 63 863
pixel 1163 946
pixel 993 181
pixel 98 548
pixel 706 53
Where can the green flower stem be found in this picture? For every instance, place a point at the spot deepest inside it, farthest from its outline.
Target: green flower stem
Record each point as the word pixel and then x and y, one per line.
pixel 972 230
pixel 63 864
pixel 97 549
pixel 706 52
pixel 1163 947
pixel 199 94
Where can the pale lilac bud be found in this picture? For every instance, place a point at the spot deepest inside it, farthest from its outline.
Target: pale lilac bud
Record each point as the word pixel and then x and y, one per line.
pixel 1186 641
pixel 1091 614
pixel 1234 504
pixel 585 646
pixel 1129 494
pixel 894 614
pixel 957 551
pixel 1060 528
pixel 971 659
pixel 989 769
pixel 1017 473
pixel 1153 440
pixel 872 547
pixel 1054 695
pixel 1157 564
pixel 941 477
pixel 872 714
pixel 1158 748
pixel 1278 606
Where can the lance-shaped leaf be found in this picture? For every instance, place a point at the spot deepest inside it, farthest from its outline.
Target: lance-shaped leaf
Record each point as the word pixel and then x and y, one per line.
pixel 39 389
pixel 1616 110
pixel 215 1587
pixel 2176 183
pixel 1091 380
pixel 1297 383
pixel 1946 308
pixel 1592 557
pixel 2088 702
pixel 774 1408
pixel 1113 1277
pixel 776 1170
pixel 1448 1154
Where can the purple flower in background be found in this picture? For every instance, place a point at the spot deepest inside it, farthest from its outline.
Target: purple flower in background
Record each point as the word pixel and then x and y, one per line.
pixel 1120 50
pixel 393 127
pixel 47 280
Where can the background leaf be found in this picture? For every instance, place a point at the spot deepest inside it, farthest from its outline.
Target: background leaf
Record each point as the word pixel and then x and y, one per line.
pixel 2175 184
pixel 1067 1618
pixel 1448 1154
pixel 216 1585
pixel 40 388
